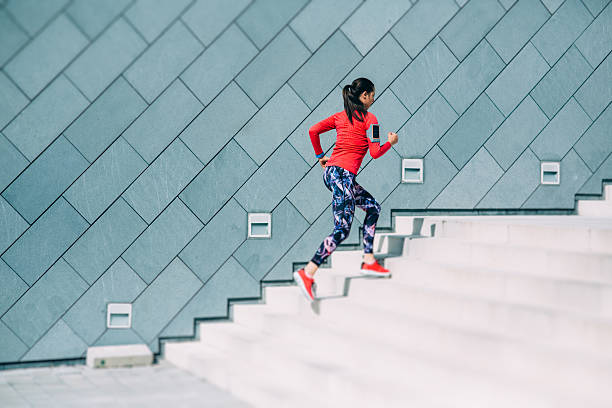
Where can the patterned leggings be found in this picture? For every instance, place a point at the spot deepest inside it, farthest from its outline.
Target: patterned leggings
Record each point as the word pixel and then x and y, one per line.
pixel 346 194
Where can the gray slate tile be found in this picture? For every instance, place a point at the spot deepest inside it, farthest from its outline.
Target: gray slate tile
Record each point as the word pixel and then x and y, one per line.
pixel 560 83
pixel 208 18
pixel 105 241
pixel 12 287
pixel 212 129
pixel 230 281
pixel 163 180
pixel 162 240
pixel 517 79
pixel 596 41
pixel 258 256
pixel 320 18
pixel 596 92
pixel 32 14
pixel 426 126
pixel 44 242
pixel 224 232
pixel 472 129
pixel 92 17
pixel 93 192
pixel 371 21
pixel 206 194
pixel 45 118
pixel 219 64
pixel 469 25
pixel 11 224
pixel 12 100
pixel 105 59
pixel 561 30
pixel 272 67
pixel 561 133
pixel 12 161
pixel 421 78
pixel 272 124
pixel 422 23
pixel 596 143
pixel 272 180
pixel 516 133
pixel 517 183
pixel 381 65
pixel 58 343
pixel 87 316
pixel 151 17
pixel 43 59
pixel 324 69
pixel 471 77
pixel 573 174
pixel 468 187
pixel 12 38
pixel 45 179
pixel 64 283
pixel 516 28
pixel 162 122
pixel 105 119
pixel 160 64
pixel 264 18
pixel 12 347
pixel 153 309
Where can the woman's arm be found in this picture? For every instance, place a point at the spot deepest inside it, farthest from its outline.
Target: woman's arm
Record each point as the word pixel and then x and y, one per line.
pixel 376 150
pixel 318 128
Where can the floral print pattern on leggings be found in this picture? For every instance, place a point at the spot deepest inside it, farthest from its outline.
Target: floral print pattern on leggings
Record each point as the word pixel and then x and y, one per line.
pixel 346 194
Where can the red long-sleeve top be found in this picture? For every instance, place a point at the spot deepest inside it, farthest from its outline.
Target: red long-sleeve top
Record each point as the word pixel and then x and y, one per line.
pixel 352 141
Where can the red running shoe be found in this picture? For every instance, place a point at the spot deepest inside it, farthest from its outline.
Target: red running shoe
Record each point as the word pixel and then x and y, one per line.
pixel 374 269
pixel 306 283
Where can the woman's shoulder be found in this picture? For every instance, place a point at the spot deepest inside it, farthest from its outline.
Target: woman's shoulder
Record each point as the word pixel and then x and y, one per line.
pixel 371 118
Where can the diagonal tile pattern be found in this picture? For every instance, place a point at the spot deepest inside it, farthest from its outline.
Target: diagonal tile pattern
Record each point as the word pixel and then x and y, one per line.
pixel 136 135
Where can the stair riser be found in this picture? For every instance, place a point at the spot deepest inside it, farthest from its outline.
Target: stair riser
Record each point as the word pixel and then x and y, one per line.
pixel 247 380
pixel 341 389
pixel 567 237
pixel 523 321
pixel 594 208
pixel 588 298
pixel 508 258
pixel 526 322
pixel 462 347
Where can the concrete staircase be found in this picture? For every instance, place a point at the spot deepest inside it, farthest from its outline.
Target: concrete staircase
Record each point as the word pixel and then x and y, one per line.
pixel 490 311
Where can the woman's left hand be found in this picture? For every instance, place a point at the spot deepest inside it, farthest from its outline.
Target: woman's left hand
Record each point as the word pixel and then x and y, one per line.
pixel 323 160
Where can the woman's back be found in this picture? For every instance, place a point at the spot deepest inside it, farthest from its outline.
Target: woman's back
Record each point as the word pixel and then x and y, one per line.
pixel 352 141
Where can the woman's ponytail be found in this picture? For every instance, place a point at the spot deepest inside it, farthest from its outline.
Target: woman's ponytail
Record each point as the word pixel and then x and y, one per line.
pixel 352 103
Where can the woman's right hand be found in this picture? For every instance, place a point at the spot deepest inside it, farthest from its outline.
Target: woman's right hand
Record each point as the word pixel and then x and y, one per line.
pixel 392 138
pixel 323 160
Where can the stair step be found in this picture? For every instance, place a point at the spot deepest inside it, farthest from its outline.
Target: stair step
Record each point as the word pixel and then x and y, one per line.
pixel 411 378
pixel 417 340
pixel 567 329
pixel 586 297
pixel 595 208
pixel 558 263
pixel 259 387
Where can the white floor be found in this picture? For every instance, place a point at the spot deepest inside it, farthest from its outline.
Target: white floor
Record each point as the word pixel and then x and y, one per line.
pixel 162 385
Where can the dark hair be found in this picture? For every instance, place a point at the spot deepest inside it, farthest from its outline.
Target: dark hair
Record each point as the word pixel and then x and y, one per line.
pixel 352 103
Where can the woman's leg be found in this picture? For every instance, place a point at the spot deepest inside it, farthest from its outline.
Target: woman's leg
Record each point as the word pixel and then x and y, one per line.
pixel 366 202
pixel 343 206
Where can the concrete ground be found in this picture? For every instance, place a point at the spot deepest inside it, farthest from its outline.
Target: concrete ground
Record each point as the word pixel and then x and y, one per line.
pixel 160 385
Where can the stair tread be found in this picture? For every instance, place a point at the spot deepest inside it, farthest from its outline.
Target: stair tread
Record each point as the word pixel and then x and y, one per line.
pixel 277 346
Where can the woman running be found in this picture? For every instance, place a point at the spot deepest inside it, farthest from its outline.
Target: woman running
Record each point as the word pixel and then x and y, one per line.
pixel 352 142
